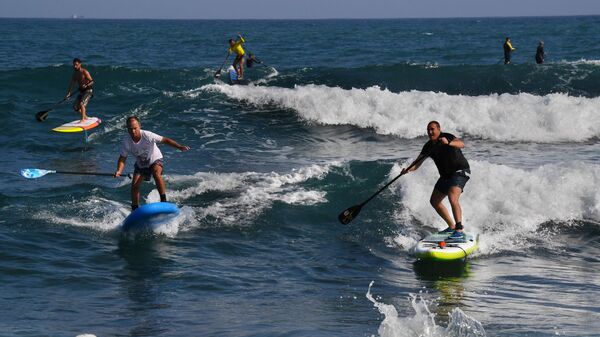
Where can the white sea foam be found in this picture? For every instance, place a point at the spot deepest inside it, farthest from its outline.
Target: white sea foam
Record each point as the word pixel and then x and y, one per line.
pixel 96 213
pixel 584 61
pixel 273 73
pixel 191 93
pixel 246 195
pixel 506 117
pixel 107 215
pixel 422 324
pixel 505 205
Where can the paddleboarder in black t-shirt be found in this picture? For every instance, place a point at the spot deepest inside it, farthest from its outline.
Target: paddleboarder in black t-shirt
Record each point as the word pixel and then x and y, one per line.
pixel 444 149
pixel 539 53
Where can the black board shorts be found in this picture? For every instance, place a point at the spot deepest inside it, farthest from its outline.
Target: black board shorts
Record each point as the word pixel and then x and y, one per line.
pixel 459 178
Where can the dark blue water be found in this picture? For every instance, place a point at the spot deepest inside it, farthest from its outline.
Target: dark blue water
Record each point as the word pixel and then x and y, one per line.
pixel 336 110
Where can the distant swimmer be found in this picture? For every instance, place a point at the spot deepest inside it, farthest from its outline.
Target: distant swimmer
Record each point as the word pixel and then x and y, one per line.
pixel 540 54
pixel 236 47
pixel 142 144
pixel 508 49
pixel 85 81
pixel 251 60
pixel 445 150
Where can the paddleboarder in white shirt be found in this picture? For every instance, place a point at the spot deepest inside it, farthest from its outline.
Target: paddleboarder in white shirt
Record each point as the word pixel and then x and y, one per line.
pixel 142 145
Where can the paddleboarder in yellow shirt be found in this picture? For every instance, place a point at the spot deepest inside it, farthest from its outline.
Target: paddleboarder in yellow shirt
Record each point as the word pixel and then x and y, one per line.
pixel 236 47
pixel 508 49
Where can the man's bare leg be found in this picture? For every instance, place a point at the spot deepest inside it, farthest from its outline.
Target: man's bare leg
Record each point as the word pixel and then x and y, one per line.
pixel 453 196
pixel 436 201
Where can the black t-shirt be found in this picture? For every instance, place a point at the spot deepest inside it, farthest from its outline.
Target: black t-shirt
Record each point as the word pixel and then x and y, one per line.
pixel 448 159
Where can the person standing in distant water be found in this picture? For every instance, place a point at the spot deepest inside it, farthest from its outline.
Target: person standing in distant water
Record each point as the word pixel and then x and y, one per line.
pixel 251 60
pixel 238 62
pixel 540 54
pixel 142 144
pixel 85 81
pixel 508 49
pixel 445 150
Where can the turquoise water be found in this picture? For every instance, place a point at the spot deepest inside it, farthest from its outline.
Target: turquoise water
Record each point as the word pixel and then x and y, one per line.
pixel 337 109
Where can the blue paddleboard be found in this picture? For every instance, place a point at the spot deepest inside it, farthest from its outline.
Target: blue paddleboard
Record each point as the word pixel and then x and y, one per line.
pixel 149 216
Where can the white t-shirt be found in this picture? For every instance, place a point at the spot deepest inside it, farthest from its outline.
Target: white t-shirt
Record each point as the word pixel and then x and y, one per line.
pixel 145 151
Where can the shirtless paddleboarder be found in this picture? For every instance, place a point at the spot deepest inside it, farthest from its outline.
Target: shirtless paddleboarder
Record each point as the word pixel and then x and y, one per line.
pixel 83 78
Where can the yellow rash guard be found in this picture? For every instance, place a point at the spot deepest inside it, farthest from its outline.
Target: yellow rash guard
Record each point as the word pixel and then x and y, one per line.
pixel 237 47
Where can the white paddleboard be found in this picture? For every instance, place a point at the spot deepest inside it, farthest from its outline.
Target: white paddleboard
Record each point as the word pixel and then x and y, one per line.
pixel 233 77
pixel 77 126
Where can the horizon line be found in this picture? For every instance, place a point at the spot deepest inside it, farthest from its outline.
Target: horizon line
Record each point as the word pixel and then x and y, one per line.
pixel 83 17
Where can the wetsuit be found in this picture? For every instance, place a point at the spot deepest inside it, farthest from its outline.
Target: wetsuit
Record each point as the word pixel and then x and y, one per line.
pixel 251 60
pixel 539 55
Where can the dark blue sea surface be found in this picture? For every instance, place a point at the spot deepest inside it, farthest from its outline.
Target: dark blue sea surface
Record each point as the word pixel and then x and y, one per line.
pixel 336 110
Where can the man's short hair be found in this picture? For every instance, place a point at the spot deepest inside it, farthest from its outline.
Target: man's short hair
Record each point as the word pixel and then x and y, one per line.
pixel 231 40
pixel 436 124
pixel 76 60
pixel 132 118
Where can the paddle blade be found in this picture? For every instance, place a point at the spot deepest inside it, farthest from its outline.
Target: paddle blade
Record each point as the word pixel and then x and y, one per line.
pixel 42 115
pixel 349 214
pixel 218 73
pixel 35 173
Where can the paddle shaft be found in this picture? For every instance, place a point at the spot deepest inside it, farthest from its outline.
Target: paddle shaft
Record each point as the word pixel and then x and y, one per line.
pixel 222 64
pixel 86 173
pixel 350 213
pixel 91 173
pixel 59 103
pixel 42 115
pixel 388 184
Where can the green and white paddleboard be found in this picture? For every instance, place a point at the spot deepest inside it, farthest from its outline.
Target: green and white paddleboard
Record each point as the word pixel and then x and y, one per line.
pixel 439 247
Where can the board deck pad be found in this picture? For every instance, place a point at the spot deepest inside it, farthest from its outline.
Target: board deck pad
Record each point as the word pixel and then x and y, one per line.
pixel 436 237
pixel 77 126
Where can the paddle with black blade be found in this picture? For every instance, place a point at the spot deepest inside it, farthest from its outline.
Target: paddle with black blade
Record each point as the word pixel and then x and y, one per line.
pixel 218 73
pixel 350 213
pixel 42 115
pixel 34 173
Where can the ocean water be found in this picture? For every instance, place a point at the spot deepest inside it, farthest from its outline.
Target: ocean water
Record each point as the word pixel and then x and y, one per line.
pixel 336 110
